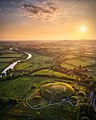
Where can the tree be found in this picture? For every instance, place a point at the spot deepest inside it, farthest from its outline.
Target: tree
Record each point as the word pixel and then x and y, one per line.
pixel 13 101
pixel 84 110
pixel 3 100
pixel 91 85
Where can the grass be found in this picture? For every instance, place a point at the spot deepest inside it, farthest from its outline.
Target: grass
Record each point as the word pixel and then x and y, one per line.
pixel 50 73
pixel 50 113
pixel 3 66
pixel 78 62
pixel 23 66
pixel 58 89
pixel 20 87
pixel 15 55
pixel 89 59
pixel 7 57
pixel 65 65
pixel 17 88
pixel 2 60
pixel 70 56
pixel 37 61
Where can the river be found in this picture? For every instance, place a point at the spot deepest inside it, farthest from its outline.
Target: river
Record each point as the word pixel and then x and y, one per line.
pixel 11 66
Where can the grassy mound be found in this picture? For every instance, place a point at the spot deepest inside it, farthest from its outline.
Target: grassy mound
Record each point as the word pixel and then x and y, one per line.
pixel 56 91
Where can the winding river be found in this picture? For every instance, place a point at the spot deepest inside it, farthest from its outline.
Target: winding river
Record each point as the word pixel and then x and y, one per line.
pixel 11 66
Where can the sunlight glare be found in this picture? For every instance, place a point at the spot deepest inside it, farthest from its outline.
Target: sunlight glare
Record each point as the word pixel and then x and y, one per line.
pixel 83 29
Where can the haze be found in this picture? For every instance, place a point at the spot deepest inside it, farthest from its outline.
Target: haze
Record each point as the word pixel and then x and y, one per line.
pixel 47 19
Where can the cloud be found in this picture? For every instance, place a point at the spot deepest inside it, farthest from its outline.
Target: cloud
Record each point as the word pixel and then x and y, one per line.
pixel 33 9
pixel 60 10
pixel 1 10
pixel 41 10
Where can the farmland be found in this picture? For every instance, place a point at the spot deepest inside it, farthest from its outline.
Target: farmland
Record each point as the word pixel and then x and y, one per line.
pixel 51 64
pixel 66 65
pixel 7 57
pixel 77 62
pixel 37 61
pixel 51 73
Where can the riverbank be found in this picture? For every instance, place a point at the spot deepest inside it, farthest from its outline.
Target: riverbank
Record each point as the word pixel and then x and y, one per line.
pixel 12 65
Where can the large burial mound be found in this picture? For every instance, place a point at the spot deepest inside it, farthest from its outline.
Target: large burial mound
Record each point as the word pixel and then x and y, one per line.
pixel 56 91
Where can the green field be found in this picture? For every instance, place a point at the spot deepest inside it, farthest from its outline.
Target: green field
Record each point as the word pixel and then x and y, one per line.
pixel 3 65
pixel 20 87
pixel 17 88
pixel 37 61
pixel 70 56
pixel 2 60
pixel 7 58
pixel 78 62
pixel 11 55
pixel 35 78
pixel 60 90
pixel 65 65
pixel 52 73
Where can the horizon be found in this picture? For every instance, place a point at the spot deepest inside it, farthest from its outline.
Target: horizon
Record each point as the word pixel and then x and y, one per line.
pixel 45 40
pixel 47 20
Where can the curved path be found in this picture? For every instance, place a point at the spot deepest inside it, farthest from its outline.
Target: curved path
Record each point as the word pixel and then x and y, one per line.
pixel 50 103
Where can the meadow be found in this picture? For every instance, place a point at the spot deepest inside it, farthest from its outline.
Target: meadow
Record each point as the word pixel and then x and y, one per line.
pixel 78 62
pixel 37 61
pixel 48 72
pixel 7 57
pixel 66 65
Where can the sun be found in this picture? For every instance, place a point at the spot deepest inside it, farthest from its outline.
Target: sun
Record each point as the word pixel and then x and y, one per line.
pixel 83 29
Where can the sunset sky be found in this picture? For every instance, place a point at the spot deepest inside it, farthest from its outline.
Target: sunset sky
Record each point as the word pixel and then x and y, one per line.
pixel 47 19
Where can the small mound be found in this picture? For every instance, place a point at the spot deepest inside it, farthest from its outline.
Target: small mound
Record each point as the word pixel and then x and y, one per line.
pixel 56 91
pixel 82 94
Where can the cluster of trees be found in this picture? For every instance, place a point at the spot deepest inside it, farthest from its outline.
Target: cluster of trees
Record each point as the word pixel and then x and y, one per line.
pixel 86 112
pixel 80 72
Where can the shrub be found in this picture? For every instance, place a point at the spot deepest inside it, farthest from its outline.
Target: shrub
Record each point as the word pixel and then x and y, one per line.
pixel 13 101
pixel 81 93
pixel 84 110
pixel 3 100
pixel 74 99
pixel 33 87
pixel 37 98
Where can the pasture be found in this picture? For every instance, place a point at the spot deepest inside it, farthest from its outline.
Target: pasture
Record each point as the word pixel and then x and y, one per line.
pixel 2 60
pixel 78 62
pixel 37 61
pixel 21 87
pixel 49 72
pixel 11 55
pixel 6 58
pixel 3 65
pixel 68 66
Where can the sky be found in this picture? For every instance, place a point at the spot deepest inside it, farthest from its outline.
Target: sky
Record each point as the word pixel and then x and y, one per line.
pixel 47 19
